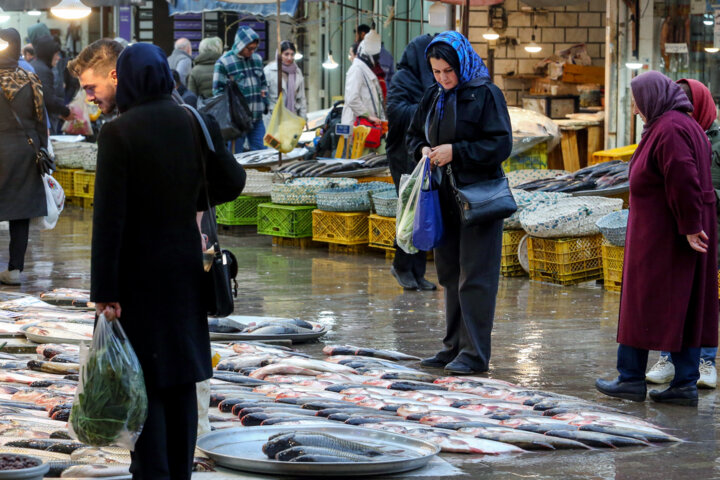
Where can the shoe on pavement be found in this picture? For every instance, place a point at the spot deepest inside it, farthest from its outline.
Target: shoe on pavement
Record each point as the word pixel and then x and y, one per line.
pixel 635 391
pixel 662 372
pixel 424 284
pixel 433 362
pixel 708 375
pixel 686 396
pixel 458 368
pixel 405 279
pixel 10 277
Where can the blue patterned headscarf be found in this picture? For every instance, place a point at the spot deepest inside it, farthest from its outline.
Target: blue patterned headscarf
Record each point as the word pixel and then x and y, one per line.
pixel 464 58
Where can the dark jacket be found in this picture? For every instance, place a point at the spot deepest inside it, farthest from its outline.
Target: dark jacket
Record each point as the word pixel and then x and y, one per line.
pixel 481 134
pixel 713 135
pixel 187 96
pixel 201 76
pixel 411 80
pixel 45 48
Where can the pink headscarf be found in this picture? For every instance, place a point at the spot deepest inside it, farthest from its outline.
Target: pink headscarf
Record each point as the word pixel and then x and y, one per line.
pixel 655 94
pixel 704 111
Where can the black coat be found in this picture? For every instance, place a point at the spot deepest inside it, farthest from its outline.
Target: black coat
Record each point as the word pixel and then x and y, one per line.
pixel 54 104
pixel 410 81
pixel 146 247
pixel 22 193
pixel 481 135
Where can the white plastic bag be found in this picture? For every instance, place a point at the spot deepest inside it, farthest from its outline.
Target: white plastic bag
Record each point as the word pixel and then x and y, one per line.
pixel 110 405
pixel 55 200
pixel 407 203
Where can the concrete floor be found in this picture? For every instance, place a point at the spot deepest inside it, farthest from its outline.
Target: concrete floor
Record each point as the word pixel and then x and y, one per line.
pixel 546 337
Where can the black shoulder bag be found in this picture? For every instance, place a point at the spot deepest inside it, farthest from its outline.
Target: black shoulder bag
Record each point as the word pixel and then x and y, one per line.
pixel 220 284
pixel 43 160
pixel 483 201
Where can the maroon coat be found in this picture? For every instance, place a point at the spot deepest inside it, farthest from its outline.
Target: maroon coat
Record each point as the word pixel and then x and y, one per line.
pixel 670 292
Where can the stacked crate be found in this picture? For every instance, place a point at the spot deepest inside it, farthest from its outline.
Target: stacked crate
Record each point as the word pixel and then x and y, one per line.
pixel 565 261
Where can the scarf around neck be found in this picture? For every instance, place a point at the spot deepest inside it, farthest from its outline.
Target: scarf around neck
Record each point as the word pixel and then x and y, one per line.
pixel 291 72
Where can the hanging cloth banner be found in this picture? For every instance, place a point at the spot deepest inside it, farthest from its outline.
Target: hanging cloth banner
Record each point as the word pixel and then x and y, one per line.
pixel 287 7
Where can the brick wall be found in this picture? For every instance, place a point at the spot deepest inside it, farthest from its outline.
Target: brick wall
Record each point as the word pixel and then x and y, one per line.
pixel 558 29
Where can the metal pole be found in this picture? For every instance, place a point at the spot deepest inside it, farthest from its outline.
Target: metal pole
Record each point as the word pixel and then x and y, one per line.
pixel 279 64
pixel 466 19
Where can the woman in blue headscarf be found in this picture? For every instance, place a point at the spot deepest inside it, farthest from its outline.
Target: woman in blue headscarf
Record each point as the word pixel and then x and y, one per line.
pixel 147 263
pixel 463 122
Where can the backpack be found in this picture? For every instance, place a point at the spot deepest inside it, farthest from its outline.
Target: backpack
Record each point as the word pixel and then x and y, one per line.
pixel 329 140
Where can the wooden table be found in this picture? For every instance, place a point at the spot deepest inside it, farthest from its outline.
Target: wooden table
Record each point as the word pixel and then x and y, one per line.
pixel 579 140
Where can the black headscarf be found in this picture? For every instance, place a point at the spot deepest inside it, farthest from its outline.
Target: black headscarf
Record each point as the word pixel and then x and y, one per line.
pixel 45 49
pixel 9 57
pixel 143 74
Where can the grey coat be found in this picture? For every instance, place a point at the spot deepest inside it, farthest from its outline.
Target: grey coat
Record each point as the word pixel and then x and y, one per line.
pixel 22 193
pixel 180 61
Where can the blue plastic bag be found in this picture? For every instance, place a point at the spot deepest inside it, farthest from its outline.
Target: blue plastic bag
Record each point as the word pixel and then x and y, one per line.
pixel 428 225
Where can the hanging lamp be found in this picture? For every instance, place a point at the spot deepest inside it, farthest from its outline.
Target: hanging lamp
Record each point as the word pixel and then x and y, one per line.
pixel 71 10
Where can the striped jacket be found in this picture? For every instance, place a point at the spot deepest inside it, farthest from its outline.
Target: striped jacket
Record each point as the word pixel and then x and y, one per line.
pixel 246 72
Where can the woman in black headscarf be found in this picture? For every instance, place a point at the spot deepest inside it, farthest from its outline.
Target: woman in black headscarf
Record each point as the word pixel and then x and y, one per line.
pixel 22 194
pixel 147 267
pixel 462 125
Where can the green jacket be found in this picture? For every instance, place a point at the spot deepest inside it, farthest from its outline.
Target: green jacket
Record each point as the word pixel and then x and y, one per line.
pixel 714 135
pixel 201 76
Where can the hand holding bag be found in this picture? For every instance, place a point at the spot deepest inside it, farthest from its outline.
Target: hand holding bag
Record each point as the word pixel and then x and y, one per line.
pixel 483 201
pixel 220 265
pixel 428 222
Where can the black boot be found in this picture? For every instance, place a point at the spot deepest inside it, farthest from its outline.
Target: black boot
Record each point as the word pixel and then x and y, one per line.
pixel 457 367
pixel 433 362
pixel 686 396
pixel 423 284
pixel 635 391
pixel 405 279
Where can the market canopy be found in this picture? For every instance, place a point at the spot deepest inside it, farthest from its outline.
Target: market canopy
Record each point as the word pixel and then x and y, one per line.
pixel 258 8
pixel 22 5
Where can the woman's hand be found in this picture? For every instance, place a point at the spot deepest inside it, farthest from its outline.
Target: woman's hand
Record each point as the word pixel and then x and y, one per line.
pixel 111 310
pixel 374 119
pixel 698 241
pixel 426 152
pixel 441 155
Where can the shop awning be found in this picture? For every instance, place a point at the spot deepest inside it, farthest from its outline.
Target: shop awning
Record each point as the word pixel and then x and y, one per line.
pixel 22 5
pixel 287 7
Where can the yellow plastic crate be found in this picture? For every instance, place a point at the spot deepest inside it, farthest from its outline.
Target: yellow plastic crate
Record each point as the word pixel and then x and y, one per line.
pixel 66 179
pixel 510 263
pixel 382 232
pixel 565 261
pixel 612 260
pixel 387 179
pixel 345 228
pixel 620 153
pixel 84 184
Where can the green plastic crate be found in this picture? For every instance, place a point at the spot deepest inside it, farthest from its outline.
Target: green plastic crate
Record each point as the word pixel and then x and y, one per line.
pixel 241 211
pixel 290 221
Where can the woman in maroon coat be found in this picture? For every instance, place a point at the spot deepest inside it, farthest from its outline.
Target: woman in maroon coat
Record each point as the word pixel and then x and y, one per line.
pixel 669 299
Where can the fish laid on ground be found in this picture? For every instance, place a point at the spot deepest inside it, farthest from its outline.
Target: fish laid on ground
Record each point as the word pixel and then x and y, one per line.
pixel 101 455
pixel 331 350
pixel 53 367
pixel 59 446
pixel 319 365
pixel 278 330
pixel 281 368
pixel 282 441
pixel 524 440
pixel 95 471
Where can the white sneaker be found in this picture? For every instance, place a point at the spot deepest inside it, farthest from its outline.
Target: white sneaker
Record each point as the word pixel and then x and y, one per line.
pixel 708 375
pixel 662 372
pixel 10 277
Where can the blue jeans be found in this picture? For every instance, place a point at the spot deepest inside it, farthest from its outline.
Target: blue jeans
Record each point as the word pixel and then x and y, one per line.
pixel 706 353
pixel 254 138
pixel 632 362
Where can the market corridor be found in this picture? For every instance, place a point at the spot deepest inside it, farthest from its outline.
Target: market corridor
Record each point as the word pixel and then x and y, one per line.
pixel 546 337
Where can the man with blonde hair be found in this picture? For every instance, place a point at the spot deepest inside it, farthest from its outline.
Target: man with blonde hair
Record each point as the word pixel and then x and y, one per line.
pixel 181 58
pixel 95 68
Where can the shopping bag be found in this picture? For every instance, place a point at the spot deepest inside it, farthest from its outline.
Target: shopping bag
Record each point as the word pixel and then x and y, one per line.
pixel 231 111
pixel 284 129
pixel 374 138
pixel 55 200
pixel 407 204
pixel 80 110
pixel 428 223
pixel 110 405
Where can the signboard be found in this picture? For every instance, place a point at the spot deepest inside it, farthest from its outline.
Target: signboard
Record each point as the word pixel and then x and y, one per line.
pixel 125 23
pixel 676 48
pixel 697 7
pixel 341 129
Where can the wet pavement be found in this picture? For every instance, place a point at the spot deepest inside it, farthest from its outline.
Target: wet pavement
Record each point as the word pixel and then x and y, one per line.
pixel 545 337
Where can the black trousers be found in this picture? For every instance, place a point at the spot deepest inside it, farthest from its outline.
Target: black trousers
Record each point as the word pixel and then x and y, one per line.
pixel 468 268
pixel 166 446
pixel 415 263
pixel 19 234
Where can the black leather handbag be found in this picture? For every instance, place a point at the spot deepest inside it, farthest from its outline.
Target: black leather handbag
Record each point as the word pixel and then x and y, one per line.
pixel 483 201
pixel 219 279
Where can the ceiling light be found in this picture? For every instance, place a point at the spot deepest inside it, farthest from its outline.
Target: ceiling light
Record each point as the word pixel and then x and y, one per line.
pixel 34 13
pixel 533 47
pixel 3 44
pixel 712 49
pixel 4 17
pixel 491 35
pixel 634 64
pixel 330 64
pixel 708 19
pixel 298 56
pixel 70 10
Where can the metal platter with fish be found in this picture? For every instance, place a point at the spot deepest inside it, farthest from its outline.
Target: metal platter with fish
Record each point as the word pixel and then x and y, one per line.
pixel 239 327
pixel 241 449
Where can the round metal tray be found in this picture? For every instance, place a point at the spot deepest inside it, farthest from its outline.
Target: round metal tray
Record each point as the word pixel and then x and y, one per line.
pixel 242 321
pixel 45 339
pixel 241 449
